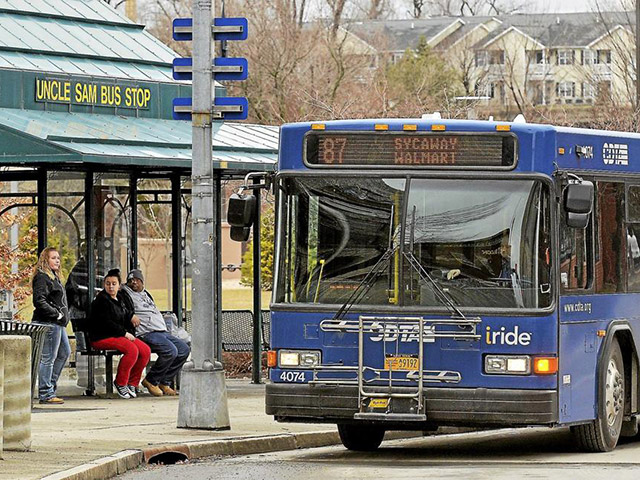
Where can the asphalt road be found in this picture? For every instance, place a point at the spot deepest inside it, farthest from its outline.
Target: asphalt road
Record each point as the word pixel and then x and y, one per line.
pixel 495 455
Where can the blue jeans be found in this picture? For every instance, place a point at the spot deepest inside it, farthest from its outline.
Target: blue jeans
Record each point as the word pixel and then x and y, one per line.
pixel 172 353
pixel 55 352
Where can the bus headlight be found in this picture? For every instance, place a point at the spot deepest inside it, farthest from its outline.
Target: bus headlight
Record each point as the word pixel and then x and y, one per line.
pixel 298 358
pixel 507 364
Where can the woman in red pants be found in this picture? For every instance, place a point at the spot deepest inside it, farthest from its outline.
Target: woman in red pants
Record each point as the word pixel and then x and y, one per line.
pixel 112 327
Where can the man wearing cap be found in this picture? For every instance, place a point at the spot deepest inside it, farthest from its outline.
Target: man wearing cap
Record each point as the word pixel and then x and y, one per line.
pixel 152 329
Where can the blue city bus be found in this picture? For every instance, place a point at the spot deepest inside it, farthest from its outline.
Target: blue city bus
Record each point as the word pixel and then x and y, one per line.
pixel 437 272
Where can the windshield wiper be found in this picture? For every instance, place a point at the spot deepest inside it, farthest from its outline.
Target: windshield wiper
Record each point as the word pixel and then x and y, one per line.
pixel 368 281
pixel 440 293
pixel 365 284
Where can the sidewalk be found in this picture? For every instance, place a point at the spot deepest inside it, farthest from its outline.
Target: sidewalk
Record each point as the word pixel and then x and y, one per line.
pixel 87 429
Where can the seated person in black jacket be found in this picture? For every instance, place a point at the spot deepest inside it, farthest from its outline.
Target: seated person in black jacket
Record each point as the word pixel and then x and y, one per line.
pixel 111 328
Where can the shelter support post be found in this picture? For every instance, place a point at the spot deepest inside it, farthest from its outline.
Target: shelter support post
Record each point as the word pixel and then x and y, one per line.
pixel 42 210
pixel 256 366
pixel 89 229
pixel 133 195
pixel 176 246
pixel 217 199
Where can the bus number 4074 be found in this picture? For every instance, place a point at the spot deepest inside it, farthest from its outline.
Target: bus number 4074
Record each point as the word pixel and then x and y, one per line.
pixel 292 376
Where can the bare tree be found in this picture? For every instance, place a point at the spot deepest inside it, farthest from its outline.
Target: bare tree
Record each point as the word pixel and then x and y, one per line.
pixel 115 3
pixel 337 9
pixel 417 8
pixel 464 7
pixel 299 8
pixel 375 9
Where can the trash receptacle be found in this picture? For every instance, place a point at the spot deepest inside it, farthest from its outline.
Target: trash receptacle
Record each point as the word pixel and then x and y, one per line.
pixel 34 330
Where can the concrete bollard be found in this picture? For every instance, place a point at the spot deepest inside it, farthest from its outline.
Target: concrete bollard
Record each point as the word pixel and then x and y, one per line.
pixel 17 392
pixel 1 396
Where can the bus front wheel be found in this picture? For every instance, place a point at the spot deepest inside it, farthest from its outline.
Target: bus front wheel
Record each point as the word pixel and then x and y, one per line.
pixel 601 435
pixel 360 438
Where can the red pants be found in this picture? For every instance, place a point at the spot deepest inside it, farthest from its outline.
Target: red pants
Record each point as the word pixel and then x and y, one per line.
pixel 135 357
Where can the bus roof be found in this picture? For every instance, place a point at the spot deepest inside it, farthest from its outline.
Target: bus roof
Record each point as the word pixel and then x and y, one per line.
pixel 541 148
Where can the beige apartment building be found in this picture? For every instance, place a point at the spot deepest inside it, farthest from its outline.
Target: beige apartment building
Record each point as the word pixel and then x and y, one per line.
pixel 520 60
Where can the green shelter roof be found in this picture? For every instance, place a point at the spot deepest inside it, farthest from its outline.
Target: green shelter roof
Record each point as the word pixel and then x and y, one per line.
pixel 36 138
pixel 81 37
pixel 81 9
pixel 55 55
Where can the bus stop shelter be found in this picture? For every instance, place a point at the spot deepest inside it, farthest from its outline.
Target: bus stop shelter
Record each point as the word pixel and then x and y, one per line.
pixel 90 158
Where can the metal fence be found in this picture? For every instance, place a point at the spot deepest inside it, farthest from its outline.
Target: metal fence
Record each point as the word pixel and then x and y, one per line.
pixel 237 329
pixel 37 332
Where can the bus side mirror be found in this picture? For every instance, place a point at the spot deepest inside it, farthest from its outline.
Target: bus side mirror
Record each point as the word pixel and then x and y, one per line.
pixel 577 220
pixel 240 215
pixel 578 203
pixel 242 210
pixel 240 234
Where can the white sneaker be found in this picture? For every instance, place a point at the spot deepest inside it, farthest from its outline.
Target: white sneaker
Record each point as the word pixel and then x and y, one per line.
pixel 132 391
pixel 122 390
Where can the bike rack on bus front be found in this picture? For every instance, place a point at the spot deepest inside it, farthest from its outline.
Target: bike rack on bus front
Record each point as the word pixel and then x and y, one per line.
pixel 391 329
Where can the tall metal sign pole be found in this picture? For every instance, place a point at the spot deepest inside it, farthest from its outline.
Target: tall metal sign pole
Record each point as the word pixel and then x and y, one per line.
pixel 637 61
pixel 203 395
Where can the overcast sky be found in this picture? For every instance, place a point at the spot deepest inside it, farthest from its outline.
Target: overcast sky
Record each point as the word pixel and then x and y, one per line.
pixel 556 6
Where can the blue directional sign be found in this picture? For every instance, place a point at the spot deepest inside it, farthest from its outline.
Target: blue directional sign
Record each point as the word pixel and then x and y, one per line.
pixel 224 108
pixel 182 108
pixel 231 108
pixel 223 68
pixel 222 28
pixel 182 68
pixel 230 68
pixel 230 29
pixel 183 29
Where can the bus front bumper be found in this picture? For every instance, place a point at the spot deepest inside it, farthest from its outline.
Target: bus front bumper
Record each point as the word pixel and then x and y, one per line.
pixel 444 406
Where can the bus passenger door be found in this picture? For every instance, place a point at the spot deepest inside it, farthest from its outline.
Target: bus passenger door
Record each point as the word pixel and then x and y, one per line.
pixel 576 346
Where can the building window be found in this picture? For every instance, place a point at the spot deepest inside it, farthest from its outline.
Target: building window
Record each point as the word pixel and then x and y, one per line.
pixel 566 89
pixel 485 90
pixel 482 58
pixel 604 56
pixel 540 57
pixel 589 57
pixel 589 90
pixel 565 57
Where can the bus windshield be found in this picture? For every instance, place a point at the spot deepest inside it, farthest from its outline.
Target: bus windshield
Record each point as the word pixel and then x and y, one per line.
pixel 484 243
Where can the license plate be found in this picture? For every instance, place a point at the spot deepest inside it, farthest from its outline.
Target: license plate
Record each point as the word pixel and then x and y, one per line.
pixel 401 362
pixel 379 403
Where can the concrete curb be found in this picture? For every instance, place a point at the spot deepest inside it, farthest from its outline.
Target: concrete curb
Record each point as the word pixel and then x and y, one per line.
pixel 126 460
pixel 121 462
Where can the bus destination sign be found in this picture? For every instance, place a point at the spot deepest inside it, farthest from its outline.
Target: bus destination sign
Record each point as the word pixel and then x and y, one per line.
pixel 410 149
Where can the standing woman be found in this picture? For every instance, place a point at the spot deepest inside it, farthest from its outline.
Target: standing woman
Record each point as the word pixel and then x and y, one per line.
pixel 112 327
pixel 50 302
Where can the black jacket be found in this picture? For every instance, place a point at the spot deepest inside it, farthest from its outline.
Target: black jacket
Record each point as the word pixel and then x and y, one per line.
pixel 109 318
pixel 49 300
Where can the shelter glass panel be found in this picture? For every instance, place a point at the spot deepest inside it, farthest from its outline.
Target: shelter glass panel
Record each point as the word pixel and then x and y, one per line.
pixel 186 245
pixel 112 222
pixel 18 246
pixel 155 239
pixel 66 231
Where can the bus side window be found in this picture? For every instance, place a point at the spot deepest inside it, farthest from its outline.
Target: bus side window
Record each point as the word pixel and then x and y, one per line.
pixel 574 251
pixel 611 265
pixel 633 238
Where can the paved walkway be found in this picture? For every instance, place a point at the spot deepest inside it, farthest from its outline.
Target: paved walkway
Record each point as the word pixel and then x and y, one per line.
pixel 71 441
